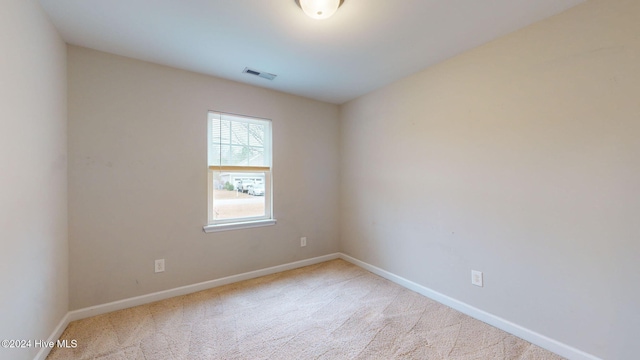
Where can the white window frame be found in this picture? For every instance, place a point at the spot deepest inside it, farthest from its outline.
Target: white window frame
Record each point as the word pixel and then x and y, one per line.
pixel 215 225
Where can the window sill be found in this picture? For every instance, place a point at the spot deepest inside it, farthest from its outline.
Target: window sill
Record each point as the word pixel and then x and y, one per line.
pixel 238 225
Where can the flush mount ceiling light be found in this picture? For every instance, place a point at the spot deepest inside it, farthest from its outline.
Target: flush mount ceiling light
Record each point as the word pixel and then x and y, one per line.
pixel 319 9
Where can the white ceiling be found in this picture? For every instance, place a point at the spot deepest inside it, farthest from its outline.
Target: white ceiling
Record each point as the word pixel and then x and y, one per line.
pixel 365 45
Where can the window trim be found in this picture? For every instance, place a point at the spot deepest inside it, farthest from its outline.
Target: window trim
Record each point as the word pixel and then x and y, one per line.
pixel 245 222
pixel 238 225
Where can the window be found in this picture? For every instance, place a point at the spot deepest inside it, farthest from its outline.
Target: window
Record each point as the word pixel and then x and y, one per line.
pixel 239 172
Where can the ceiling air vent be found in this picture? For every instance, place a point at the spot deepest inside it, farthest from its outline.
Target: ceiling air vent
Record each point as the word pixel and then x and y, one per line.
pixel 262 74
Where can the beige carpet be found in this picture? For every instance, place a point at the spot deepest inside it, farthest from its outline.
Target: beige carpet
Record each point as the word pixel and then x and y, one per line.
pixel 332 310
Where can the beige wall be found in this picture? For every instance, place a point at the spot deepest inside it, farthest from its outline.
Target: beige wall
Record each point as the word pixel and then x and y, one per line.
pixel 33 180
pixel 519 159
pixel 138 178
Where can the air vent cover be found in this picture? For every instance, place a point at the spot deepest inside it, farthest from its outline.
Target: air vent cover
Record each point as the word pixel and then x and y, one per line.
pixel 262 74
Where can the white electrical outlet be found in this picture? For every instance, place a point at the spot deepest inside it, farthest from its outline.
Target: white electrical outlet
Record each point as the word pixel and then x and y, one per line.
pixel 303 241
pixel 159 265
pixel 476 277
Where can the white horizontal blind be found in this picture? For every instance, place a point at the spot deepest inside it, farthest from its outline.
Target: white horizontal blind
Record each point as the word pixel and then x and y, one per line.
pixel 238 141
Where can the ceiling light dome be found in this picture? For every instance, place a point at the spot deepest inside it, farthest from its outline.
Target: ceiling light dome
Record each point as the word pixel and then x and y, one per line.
pixel 319 9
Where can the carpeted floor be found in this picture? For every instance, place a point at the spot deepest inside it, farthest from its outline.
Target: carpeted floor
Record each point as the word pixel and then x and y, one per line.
pixel 333 310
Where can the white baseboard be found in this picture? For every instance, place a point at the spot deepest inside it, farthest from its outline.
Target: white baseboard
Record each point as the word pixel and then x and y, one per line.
pixel 57 332
pixel 517 330
pixel 188 289
pixel 496 321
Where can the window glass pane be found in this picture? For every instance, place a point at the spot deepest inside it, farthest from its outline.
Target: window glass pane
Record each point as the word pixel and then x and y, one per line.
pixel 220 131
pixel 257 157
pixel 225 132
pixel 238 195
pixel 239 155
pixel 256 135
pixel 219 150
pixel 225 154
pixel 214 154
pixel 239 133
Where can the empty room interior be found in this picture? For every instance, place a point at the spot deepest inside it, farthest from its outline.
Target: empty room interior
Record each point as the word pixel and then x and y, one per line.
pixel 426 179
